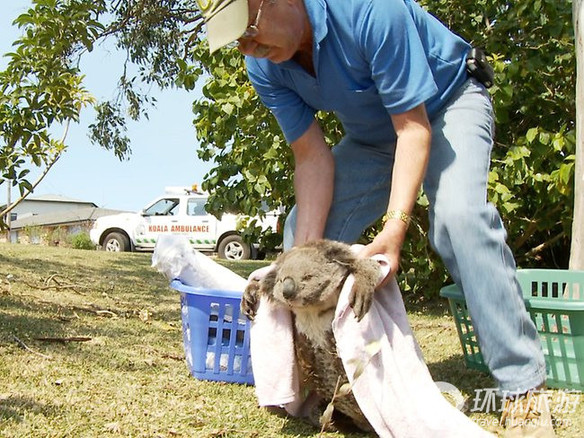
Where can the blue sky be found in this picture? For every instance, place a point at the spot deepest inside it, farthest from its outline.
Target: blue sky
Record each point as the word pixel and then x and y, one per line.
pixel 163 147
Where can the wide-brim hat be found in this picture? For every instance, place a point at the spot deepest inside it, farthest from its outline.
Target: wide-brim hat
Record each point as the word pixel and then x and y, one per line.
pixel 226 21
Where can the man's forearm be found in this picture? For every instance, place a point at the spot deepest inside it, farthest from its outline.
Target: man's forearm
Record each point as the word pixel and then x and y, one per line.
pixel 411 158
pixel 313 184
pixel 314 189
pixel 410 162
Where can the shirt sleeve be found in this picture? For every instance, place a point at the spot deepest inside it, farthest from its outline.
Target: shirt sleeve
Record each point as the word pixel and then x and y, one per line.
pixel 293 114
pixel 390 38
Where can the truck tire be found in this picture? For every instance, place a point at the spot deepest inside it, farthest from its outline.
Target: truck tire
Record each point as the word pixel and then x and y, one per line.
pixel 116 242
pixel 234 248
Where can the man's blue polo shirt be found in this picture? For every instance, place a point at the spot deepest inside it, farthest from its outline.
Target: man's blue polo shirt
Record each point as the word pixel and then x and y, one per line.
pixel 372 58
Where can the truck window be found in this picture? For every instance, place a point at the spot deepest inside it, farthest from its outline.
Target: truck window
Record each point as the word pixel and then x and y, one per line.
pixel 164 207
pixel 196 207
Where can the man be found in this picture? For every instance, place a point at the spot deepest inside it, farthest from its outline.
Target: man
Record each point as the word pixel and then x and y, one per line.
pixel 397 80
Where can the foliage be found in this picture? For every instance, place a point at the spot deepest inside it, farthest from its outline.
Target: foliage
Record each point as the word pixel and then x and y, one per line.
pixel 42 88
pixel 156 35
pixel 532 49
pixel 82 241
pixel 56 236
pixel 242 139
pixel 34 233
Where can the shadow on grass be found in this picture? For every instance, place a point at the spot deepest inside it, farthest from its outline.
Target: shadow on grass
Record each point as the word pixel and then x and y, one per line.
pixel 118 342
pixel 436 306
pixel 22 319
pixel 454 371
pixel 15 408
pixel 119 353
pixel 299 428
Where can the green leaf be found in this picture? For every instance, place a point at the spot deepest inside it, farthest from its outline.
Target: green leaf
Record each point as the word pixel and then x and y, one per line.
pixel 531 134
pixel 566 172
pixel 544 138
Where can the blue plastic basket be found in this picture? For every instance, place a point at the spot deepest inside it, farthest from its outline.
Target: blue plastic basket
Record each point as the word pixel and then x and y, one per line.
pixel 215 336
pixel 555 301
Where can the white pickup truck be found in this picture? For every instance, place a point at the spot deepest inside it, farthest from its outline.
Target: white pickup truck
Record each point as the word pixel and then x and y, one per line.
pixel 180 210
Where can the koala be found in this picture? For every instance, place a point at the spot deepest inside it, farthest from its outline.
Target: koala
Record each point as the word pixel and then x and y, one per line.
pixel 308 280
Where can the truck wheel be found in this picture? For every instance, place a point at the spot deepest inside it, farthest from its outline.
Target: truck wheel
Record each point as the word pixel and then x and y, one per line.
pixel 234 248
pixel 116 242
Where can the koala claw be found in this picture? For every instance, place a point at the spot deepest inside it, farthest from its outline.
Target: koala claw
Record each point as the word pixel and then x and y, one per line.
pixel 360 303
pixel 249 300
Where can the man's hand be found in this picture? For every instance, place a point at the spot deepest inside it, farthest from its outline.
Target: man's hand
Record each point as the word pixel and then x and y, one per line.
pixel 388 243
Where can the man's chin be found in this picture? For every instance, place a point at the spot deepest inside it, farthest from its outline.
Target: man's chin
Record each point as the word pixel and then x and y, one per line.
pixel 277 57
pixel 262 52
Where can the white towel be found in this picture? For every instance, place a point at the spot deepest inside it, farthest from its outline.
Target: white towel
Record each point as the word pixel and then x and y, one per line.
pixel 175 257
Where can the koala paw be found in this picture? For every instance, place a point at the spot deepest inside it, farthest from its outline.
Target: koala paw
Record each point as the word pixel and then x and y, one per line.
pixel 249 300
pixel 366 276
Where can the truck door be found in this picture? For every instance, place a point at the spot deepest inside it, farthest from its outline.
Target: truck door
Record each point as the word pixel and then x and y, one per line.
pixel 159 219
pixel 200 226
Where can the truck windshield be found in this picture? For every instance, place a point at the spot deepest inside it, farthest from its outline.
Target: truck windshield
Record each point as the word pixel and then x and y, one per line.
pixel 163 207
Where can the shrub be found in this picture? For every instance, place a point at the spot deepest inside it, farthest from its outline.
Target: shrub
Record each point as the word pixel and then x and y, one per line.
pixel 82 241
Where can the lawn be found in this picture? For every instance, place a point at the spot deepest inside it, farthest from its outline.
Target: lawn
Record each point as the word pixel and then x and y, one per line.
pixel 91 346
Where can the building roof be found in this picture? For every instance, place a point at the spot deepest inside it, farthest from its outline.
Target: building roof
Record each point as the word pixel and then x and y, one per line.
pixel 63 217
pixel 56 198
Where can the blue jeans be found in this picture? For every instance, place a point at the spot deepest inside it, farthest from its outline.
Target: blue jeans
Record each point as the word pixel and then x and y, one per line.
pixel 465 229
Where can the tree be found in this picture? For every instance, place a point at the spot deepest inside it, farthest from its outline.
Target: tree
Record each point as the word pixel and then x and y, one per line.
pixel 577 249
pixel 42 87
pixel 533 171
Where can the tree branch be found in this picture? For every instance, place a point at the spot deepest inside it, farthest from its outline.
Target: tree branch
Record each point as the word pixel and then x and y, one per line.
pixel 27 192
pixel 27 348
pixel 544 245
pixel 532 228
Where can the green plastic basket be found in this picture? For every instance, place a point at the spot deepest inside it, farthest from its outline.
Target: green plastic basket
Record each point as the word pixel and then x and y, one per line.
pixel 555 301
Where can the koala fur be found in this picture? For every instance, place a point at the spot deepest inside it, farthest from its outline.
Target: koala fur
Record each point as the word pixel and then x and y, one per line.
pixel 308 280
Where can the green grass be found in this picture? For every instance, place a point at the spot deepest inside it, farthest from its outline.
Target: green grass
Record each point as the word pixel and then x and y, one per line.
pixel 126 375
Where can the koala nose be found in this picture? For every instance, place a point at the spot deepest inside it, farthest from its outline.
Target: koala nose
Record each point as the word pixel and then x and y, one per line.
pixel 288 288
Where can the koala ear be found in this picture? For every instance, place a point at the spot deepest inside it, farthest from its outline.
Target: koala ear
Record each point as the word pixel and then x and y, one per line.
pixel 257 287
pixel 268 281
pixel 337 251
